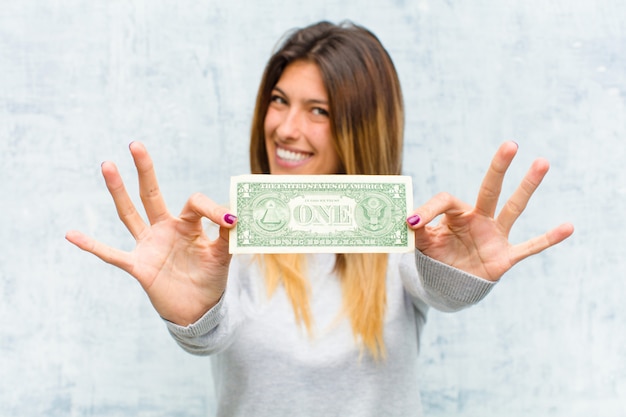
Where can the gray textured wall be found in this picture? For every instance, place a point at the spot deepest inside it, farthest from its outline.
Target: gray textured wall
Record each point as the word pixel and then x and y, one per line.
pixel 80 80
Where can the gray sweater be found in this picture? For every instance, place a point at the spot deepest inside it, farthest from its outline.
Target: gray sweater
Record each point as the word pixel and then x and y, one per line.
pixel 265 364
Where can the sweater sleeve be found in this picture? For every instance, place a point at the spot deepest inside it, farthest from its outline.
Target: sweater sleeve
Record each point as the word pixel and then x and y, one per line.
pixel 205 336
pixel 441 286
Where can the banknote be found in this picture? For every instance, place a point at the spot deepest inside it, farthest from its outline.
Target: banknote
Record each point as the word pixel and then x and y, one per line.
pixel 321 213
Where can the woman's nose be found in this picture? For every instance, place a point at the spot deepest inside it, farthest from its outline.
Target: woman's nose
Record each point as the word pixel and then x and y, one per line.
pixel 290 127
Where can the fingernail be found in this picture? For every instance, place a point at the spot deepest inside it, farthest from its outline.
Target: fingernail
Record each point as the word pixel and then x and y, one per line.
pixel 414 219
pixel 230 218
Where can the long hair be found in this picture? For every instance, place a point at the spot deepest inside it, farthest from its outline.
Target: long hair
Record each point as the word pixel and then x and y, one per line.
pixel 366 122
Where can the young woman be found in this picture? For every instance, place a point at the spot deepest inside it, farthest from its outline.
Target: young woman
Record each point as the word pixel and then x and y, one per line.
pixel 319 334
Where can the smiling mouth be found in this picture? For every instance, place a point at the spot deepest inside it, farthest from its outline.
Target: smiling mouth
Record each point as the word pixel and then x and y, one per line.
pixel 292 156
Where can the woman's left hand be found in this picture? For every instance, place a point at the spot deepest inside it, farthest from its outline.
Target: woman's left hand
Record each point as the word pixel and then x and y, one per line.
pixel 472 239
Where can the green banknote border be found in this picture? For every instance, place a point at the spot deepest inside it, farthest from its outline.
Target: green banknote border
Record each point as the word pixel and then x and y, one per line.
pixel 245 189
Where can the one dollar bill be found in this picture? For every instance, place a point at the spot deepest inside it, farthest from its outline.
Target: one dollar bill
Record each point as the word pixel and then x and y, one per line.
pixel 321 213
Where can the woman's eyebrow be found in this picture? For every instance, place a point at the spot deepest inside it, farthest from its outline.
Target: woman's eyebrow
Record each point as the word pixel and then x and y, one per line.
pixel 309 101
pixel 279 90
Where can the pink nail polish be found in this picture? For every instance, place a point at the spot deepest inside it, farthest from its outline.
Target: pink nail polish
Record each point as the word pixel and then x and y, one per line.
pixel 230 218
pixel 414 219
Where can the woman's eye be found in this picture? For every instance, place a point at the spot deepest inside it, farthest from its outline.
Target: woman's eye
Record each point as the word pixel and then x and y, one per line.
pixel 278 99
pixel 320 111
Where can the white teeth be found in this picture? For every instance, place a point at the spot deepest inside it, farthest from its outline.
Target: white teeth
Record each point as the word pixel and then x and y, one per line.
pixel 291 156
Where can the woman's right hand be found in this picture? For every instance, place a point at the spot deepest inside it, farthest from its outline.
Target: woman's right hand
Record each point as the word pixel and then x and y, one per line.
pixel 183 272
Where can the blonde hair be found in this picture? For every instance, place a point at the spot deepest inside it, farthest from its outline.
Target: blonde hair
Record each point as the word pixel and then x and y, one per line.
pixel 367 121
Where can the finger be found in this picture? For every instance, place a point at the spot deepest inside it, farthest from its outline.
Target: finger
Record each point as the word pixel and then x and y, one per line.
pixel 151 196
pixel 491 186
pixel 541 243
pixel 123 204
pixel 223 243
pixel 518 201
pixel 199 206
pixel 442 203
pixel 107 253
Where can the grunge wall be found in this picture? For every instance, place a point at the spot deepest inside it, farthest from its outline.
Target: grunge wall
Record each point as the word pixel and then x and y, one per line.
pixel 80 80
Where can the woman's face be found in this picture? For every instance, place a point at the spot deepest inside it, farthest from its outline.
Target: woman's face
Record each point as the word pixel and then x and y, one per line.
pixel 297 125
